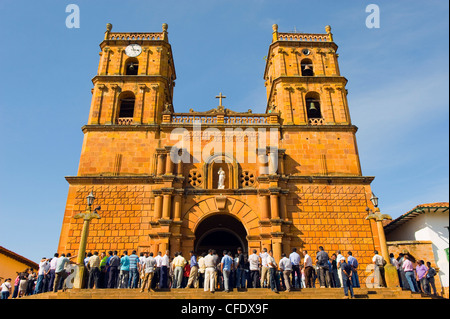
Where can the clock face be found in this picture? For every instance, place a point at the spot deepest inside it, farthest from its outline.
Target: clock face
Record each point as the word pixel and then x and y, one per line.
pixel 133 50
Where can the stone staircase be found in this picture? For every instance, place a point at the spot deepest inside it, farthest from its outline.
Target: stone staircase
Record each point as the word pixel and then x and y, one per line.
pixel 258 293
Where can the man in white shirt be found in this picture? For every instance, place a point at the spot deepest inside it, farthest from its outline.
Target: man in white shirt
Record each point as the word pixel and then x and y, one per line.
pixel 272 271
pixel 307 263
pixel 294 257
pixel 379 270
pixel 264 267
pixel 52 271
pixel 157 275
pixel 339 260
pixel 165 262
pixel 286 266
pixel 44 268
pixel 210 282
pixel 253 260
pixel 201 270
pixel 149 265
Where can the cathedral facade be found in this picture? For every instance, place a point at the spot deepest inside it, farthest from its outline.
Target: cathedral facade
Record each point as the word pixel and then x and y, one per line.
pixel 289 177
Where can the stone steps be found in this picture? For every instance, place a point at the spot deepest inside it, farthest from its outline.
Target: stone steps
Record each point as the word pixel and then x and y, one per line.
pixel 258 293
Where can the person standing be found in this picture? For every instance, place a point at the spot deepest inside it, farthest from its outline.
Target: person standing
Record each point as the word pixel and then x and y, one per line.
pixel 307 263
pixel 94 271
pixel 201 270
pixel 6 288
pixel 157 275
pixel 44 268
pixel 149 265
pixel 409 273
pixel 430 276
pixel 193 275
pixel 165 263
pixel 226 265
pixel 422 272
pixel 294 257
pixel 253 260
pixel 240 271
pixel 287 268
pixel 178 264
pixel 114 264
pixel 339 259
pixel 210 266
pixel 379 263
pixel 60 271
pixel 323 269
pixel 135 268
pixel 52 272
pixel 353 262
pixel 272 272
pixel 124 274
pixel 347 271
pixel 335 282
pixel 264 268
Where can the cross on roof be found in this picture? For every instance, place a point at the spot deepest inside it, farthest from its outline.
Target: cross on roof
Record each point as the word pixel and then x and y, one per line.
pixel 220 97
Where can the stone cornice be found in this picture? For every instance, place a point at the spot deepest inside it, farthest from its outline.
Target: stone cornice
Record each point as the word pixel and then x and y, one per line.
pixel 97 179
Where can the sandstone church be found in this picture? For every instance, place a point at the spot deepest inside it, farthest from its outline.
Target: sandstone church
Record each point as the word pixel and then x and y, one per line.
pixel 304 188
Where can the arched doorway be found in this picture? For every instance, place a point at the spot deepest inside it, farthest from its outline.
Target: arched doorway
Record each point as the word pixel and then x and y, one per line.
pixel 220 232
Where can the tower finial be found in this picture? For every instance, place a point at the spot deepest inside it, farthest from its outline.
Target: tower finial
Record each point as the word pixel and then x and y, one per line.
pixel 165 26
pixel 275 32
pixel 108 30
pixel 328 30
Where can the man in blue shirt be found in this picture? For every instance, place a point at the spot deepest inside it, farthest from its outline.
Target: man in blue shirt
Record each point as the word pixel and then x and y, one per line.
pixel 226 264
pixel 294 258
pixel 347 271
pixel 193 275
pixel 354 263
pixel 124 270
pixel 134 269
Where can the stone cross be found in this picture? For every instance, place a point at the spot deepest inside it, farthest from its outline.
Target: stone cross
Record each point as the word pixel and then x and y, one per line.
pixel 220 97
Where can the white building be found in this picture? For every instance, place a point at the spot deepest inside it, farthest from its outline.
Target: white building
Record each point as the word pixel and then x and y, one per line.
pixel 425 223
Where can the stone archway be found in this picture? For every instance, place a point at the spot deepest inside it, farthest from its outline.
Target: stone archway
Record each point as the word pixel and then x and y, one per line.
pixel 216 206
pixel 220 232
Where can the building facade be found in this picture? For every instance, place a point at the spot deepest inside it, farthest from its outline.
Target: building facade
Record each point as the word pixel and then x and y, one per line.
pixel 289 177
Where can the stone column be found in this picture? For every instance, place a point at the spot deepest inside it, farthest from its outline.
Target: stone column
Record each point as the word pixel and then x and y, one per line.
pixel 274 210
pixel 264 206
pixel 161 161
pixel 166 206
pixel 158 206
pixel 390 271
pixel 276 249
pixel 283 207
pixel 169 163
pixel 177 207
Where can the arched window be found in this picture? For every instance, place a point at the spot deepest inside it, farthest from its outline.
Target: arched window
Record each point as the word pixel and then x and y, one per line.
pixel 126 108
pixel 312 100
pixel 307 67
pixel 131 66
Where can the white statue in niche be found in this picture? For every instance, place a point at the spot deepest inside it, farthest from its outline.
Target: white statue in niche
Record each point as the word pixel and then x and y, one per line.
pixel 221 184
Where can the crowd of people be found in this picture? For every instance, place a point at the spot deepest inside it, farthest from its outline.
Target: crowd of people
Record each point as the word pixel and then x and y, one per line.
pixel 211 272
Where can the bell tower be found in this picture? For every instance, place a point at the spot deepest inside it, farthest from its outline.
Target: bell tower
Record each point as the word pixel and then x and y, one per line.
pixel 133 86
pixel 135 79
pixel 303 81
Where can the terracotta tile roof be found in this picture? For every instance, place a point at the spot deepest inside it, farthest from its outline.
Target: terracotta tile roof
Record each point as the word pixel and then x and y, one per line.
pixel 18 257
pixel 419 209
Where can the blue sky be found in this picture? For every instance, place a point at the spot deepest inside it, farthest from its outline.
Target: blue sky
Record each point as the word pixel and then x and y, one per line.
pixel 398 90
